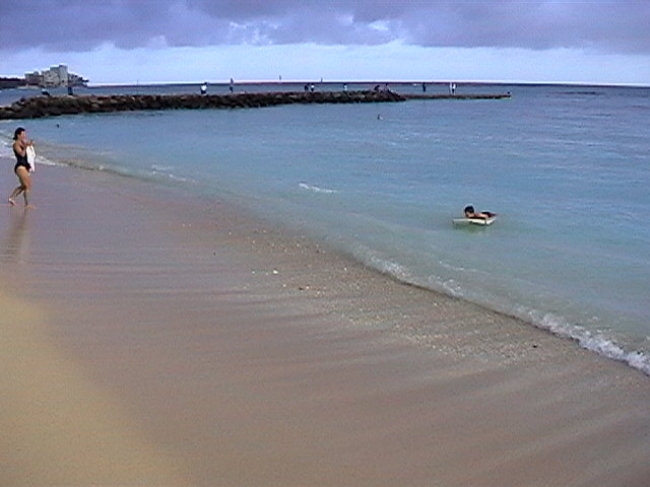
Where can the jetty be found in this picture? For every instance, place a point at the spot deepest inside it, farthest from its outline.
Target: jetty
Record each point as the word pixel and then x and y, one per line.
pixel 469 96
pixel 50 106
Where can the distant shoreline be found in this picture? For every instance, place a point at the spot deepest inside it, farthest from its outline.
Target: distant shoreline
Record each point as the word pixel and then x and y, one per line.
pixel 351 84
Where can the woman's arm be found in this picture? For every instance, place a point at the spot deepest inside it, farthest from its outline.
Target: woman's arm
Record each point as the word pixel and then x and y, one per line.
pixel 20 148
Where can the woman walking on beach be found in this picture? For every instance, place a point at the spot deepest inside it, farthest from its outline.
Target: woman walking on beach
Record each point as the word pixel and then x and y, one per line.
pixel 22 167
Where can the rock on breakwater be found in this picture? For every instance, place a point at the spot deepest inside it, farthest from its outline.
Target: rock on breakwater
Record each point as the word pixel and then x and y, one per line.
pixel 48 106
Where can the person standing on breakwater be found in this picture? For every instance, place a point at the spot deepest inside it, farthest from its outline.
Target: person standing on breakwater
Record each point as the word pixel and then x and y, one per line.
pixel 22 167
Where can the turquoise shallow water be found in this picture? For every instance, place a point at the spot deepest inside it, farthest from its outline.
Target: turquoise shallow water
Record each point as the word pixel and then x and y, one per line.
pixel 565 167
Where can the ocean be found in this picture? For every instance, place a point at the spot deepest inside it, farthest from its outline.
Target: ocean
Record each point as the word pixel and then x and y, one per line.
pixel 565 167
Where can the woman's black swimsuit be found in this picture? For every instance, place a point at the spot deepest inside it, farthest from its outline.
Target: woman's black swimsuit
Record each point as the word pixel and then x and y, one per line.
pixel 21 161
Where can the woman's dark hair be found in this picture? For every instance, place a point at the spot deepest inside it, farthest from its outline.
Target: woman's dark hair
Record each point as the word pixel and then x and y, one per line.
pixel 17 132
pixel 469 209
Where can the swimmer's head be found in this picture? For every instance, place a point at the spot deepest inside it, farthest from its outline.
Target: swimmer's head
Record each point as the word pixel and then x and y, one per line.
pixel 17 132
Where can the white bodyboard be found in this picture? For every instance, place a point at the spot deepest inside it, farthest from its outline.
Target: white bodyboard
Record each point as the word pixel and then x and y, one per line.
pixel 30 152
pixel 474 221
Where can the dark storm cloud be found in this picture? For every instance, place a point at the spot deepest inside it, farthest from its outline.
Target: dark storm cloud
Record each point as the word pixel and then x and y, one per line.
pixel 76 25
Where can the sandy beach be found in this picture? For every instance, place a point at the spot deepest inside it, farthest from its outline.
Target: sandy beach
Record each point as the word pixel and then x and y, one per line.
pixel 154 338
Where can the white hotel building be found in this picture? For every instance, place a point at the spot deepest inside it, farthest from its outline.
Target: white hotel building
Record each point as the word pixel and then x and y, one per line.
pixel 56 76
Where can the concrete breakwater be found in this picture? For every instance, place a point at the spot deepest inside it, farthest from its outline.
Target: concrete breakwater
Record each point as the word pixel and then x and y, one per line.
pixel 48 106
pixel 456 96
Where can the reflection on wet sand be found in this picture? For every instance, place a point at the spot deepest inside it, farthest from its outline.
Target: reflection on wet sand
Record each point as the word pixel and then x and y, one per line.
pixel 16 237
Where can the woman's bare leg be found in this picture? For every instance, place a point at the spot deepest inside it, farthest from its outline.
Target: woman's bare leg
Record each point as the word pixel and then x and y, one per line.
pixel 16 192
pixel 25 186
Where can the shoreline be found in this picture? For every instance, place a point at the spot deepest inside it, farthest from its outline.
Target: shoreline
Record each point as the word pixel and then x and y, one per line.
pixel 226 351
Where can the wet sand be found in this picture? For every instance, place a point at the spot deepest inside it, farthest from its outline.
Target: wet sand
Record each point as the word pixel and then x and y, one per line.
pixel 155 338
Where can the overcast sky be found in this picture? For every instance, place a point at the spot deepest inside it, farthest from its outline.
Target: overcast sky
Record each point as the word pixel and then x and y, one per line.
pixel 129 41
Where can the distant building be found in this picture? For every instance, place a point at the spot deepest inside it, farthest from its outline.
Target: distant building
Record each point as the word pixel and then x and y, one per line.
pixel 56 76
pixel 33 79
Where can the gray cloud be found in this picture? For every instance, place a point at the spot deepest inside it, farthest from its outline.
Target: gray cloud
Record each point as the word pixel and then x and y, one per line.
pixel 616 26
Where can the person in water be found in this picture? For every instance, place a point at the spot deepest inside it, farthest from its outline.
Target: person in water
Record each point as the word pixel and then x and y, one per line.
pixel 22 167
pixel 470 213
